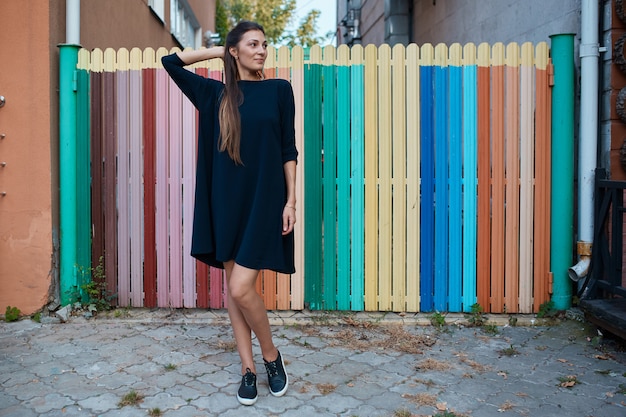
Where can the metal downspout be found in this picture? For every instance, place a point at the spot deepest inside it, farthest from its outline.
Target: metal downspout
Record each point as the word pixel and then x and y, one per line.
pixel 562 206
pixel 68 58
pixel 588 146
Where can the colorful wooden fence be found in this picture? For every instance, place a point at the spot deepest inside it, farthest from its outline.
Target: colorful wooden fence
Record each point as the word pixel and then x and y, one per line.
pixel 423 179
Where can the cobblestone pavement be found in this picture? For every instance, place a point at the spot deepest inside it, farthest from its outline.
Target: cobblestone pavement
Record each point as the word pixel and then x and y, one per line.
pixel 184 363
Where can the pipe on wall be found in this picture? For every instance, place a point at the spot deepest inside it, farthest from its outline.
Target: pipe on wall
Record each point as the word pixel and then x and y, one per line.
pixel 588 143
pixel 68 58
pixel 397 22
pixel 562 205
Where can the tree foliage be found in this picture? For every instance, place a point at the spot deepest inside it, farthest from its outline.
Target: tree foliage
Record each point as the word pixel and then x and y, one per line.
pixel 274 15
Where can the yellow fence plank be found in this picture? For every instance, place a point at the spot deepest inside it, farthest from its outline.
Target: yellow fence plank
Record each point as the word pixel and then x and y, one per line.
pixel 412 178
pixel 371 178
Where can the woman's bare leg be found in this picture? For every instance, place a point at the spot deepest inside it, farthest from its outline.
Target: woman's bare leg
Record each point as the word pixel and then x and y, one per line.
pixel 247 313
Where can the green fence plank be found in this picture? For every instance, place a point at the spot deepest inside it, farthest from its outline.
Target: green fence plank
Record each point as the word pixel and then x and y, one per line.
pixel 313 186
pixel 329 73
pixel 343 188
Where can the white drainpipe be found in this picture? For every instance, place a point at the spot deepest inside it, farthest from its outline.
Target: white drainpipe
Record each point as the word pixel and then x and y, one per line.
pixel 72 22
pixel 588 143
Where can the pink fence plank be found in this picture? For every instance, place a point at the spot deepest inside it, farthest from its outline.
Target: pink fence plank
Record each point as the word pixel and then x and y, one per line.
pixel 123 220
pixel 175 196
pixel 161 227
pixel 188 185
pixel 136 188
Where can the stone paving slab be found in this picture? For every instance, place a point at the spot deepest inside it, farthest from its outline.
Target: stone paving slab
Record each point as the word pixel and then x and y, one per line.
pixel 184 363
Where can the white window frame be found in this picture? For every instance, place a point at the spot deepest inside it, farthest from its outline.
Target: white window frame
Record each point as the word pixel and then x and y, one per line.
pixel 183 24
pixel 158 7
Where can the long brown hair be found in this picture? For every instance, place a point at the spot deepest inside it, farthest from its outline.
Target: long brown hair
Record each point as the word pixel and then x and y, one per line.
pixel 229 117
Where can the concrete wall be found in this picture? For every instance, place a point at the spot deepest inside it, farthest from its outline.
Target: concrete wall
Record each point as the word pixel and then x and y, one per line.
pixel 26 223
pixel 449 21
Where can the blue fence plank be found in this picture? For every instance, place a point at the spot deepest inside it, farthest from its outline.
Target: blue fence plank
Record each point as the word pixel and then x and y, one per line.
pixel 427 214
pixel 456 207
pixel 470 173
pixel 441 188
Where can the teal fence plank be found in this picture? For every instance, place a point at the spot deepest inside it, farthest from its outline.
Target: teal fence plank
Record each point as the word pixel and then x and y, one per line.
pixel 343 188
pixel 455 94
pixel 313 274
pixel 329 73
pixel 470 172
pixel 358 187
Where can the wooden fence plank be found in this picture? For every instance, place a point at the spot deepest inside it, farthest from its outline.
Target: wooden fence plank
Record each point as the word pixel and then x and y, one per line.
pixel 97 169
pixel 527 169
pixel 497 179
pixel 297 83
pixel 162 156
pixel 470 163
pixel 455 128
pixel 483 265
pixel 123 237
pixel 313 180
pixel 188 173
pixel 412 179
pixel 136 178
pixel 174 177
pixel 110 173
pixel 398 182
pixel 371 177
pixel 329 181
pixel 441 179
pixel 149 175
pixel 512 129
pixel 427 220
pixel 343 179
pixel 385 232
pixel 357 112
pixel 542 177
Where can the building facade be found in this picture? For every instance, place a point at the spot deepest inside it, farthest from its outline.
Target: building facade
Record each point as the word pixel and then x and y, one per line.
pixel 29 119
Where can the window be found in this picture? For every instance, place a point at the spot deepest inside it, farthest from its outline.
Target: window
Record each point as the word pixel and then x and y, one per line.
pixel 184 25
pixel 158 8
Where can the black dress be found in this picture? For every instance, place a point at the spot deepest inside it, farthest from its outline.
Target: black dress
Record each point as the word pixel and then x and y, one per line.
pixel 238 208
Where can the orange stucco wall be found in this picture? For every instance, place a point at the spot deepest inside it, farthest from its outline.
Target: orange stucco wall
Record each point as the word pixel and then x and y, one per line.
pixel 26 242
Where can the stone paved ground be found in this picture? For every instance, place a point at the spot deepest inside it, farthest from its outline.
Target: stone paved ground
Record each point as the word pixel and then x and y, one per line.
pixel 184 363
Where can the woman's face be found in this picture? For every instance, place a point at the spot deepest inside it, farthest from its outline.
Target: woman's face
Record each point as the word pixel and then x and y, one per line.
pixel 250 54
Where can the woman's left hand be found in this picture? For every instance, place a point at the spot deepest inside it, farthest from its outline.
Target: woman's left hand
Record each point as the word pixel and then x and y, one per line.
pixel 289 219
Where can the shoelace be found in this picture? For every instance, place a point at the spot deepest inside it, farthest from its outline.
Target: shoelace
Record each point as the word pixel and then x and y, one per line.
pixel 272 368
pixel 248 378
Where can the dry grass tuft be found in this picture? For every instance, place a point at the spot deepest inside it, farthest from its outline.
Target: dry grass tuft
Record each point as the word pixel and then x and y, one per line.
pixel 393 337
pixel 422 399
pixel 326 388
pixel 432 365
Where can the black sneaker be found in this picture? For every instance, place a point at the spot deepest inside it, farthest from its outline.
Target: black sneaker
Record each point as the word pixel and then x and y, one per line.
pixel 277 376
pixel 247 394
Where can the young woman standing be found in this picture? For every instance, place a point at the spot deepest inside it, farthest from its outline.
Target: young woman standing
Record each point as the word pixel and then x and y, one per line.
pixel 245 197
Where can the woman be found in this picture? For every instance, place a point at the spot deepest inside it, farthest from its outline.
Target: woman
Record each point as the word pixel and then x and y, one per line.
pixel 245 187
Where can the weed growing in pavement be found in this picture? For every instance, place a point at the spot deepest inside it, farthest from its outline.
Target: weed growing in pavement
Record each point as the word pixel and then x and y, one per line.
pixel 36 317
pixel 510 351
pixel 476 318
pixel 170 367
pixel 438 320
pixel 402 413
pixel 491 329
pixel 132 398
pixel 447 414
pixel 12 314
pixel 155 412
pixel 547 310
pixel 622 388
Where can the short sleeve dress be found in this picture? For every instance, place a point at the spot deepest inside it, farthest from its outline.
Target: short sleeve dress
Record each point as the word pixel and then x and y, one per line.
pixel 238 208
